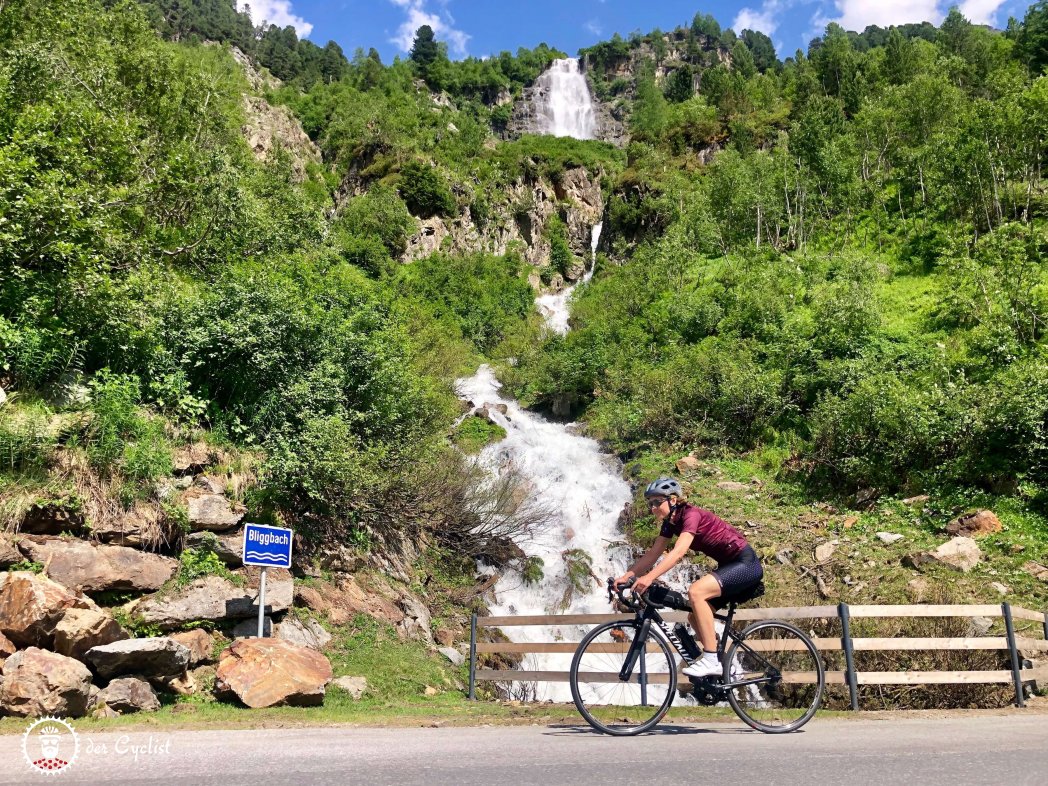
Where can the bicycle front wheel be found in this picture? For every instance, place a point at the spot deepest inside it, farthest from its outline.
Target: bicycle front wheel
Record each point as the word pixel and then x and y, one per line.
pixel 775 677
pixel 607 702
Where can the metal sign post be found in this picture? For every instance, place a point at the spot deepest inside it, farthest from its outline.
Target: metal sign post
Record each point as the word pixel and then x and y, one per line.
pixel 262 604
pixel 266 547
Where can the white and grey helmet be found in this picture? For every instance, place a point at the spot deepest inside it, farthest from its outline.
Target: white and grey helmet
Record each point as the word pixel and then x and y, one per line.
pixel 663 487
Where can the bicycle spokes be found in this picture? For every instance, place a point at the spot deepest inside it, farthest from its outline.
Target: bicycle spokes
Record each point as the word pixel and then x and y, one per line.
pixel 612 693
pixel 775 677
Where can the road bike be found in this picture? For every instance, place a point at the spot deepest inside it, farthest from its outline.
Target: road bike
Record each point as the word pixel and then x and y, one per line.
pixel 624 676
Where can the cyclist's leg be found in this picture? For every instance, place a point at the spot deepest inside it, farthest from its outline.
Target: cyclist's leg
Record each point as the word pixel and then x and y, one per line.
pixel 700 593
pixel 741 574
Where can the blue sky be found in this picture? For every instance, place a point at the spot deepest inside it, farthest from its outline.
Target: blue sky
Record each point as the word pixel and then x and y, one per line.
pixel 485 27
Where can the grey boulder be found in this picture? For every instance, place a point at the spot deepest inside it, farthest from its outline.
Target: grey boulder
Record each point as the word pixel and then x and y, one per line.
pixel 154 657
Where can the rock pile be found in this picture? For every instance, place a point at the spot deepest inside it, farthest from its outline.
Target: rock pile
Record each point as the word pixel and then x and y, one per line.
pixel 66 650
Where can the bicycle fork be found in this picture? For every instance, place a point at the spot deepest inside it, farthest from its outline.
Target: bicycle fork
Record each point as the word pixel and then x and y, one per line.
pixel 635 651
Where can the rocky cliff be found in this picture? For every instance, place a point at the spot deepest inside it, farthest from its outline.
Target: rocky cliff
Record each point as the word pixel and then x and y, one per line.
pixel 519 221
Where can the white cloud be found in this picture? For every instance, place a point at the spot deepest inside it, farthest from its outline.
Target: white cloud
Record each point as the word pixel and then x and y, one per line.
pixel 278 12
pixel 859 14
pixel 593 27
pixel 981 12
pixel 763 20
pixel 443 26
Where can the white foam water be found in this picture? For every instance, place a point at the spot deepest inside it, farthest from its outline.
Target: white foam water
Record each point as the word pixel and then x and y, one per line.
pixel 584 487
pixel 554 306
pixel 563 106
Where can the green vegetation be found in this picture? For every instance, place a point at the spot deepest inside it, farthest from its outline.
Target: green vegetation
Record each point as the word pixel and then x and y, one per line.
pixel 827 273
pixel 198 562
pixel 474 433
pixel 278 49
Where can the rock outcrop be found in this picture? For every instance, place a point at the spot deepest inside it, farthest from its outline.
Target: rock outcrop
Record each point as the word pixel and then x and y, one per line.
pixel 38 682
pixel 228 546
pixel 269 128
pixel 89 567
pixel 31 606
pixel 303 634
pixel 152 657
pixel 214 598
pixel 130 694
pixel 81 629
pixel 211 511
pixel 975 525
pixel 143 527
pixel 520 219
pixel 199 643
pixel 9 553
pixel 960 553
pixel 52 519
pixel 272 672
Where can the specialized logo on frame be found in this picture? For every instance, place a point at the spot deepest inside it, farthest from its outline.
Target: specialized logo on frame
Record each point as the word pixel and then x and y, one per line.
pixel 50 745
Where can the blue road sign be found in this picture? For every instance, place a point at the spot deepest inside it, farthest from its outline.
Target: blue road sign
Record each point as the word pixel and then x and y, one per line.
pixel 267 547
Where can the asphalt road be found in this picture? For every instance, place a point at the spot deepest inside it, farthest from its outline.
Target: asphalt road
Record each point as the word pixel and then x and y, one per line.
pixel 958 750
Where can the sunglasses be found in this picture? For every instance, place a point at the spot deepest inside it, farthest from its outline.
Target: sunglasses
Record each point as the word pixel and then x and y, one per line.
pixel 654 503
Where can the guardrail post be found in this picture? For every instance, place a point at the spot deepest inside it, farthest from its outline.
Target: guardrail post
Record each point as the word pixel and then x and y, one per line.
pixel 1006 609
pixel 849 654
pixel 473 657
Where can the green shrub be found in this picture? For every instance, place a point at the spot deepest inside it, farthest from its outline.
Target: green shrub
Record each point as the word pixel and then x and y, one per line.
pixel 27 442
pixel 474 433
pixel 560 257
pixel 425 191
pixel 366 252
pixel 378 213
pixel 483 297
pixel 119 435
pixel 199 562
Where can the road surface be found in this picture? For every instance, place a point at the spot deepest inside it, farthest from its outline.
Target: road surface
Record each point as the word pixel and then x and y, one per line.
pixel 957 750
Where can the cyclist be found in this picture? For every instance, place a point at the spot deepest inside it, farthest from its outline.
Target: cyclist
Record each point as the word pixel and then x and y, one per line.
pixel 738 567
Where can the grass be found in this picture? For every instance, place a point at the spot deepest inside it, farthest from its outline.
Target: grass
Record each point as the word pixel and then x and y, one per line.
pixel 474 433
pixel 781 517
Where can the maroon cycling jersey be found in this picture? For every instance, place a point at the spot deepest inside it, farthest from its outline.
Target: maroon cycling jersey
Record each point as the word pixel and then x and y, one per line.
pixel 713 535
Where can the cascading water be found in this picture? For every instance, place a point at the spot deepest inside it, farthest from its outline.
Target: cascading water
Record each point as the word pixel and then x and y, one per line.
pixel 554 307
pixel 586 491
pixel 563 106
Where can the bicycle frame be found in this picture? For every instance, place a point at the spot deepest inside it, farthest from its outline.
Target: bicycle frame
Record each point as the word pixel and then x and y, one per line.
pixel 649 614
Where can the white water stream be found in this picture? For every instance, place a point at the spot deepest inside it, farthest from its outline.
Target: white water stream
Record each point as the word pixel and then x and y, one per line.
pixel 584 487
pixel 563 106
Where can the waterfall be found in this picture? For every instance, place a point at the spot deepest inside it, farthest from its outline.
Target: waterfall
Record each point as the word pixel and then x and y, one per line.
pixel 554 306
pixel 585 488
pixel 563 106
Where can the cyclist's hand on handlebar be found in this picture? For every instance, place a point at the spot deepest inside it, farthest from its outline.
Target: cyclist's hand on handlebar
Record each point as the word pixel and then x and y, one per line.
pixel 642 583
pixel 622 580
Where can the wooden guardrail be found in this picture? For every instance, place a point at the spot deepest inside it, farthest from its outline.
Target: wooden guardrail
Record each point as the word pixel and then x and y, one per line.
pixel 1016 674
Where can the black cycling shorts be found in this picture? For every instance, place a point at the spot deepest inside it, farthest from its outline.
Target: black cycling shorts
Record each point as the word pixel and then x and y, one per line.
pixel 740 574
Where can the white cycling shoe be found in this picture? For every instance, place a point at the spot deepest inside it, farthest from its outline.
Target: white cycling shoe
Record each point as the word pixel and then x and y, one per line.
pixel 706 666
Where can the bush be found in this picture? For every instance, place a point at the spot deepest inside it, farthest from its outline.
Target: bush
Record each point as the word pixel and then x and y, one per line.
pixel 379 213
pixel 483 297
pixel 560 257
pixel 119 435
pixel 27 442
pixel 474 433
pixel 425 191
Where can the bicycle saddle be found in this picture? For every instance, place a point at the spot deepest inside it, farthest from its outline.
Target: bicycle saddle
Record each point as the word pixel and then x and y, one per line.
pixel 740 597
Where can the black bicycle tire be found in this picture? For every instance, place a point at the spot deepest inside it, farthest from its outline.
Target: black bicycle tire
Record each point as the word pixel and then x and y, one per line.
pixel 810 645
pixel 660 712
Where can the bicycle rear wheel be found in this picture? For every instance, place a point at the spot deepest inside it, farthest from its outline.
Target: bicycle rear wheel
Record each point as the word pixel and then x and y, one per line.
pixel 782 675
pixel 608 703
